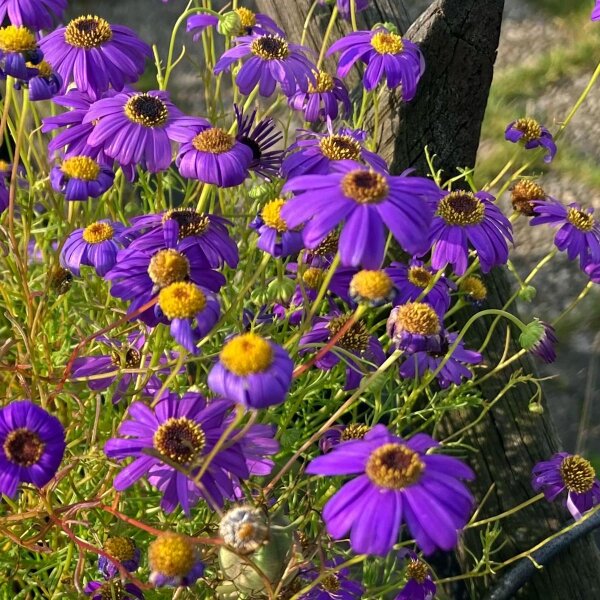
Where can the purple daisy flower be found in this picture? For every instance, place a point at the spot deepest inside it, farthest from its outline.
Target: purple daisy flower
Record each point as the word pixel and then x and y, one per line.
pixel 315 153
pixel 137 128
pixel 367 201
pixel 45 84
pixel 532 135
pixel 578 231
pixel 19 53
pixel 252 371
pixel 273 60
pixel 95 54
pixel 595 16
pixel 185 228
pixel 355 342
pixel 124 550
pixel 212 155
pixel 419 586
pixel 417 327
pixel 32 444
pixel 568 473
pixel 113 588
pixel 122 356
pixel 342 433
pixel 275 237
pixel 386 54
pixel 454 369
pixel 81 178
pixel 344 6
pixel 335 586
pixel 95 246
pixel 246 21
pixel 412 279
pixel 183 430
pixel 321 100
pixel 174 561
pixel 260 138
pixel 35 14
pixel 396 482
pixel 462 220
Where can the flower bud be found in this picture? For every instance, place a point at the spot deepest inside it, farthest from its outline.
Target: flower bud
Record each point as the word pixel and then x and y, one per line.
pixel 229 23
pixel 527 293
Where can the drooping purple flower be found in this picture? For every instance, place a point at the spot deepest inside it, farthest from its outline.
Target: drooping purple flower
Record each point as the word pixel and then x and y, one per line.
pixel 419 585
pixel 185 228
pixel 121 356
pixel 568 473
pixel 272 60
pixel 45 84
pixel 113 588
pixel 95 246
pixel 212 155
pixel 184 431
pixel 32 444
pixel 396 481
pixel 532 135
pixel 81 178
pixel 355 342
pixel 578 231
pixel 95 55
pixel 260 138
pixel 344 6
pixel 34 14
pixel 454 369
pixel 368 202
pixel 253 371
pixel 595 16
pixel 411 281
pixel 386 54
pixel 336 585
pixel 315 153
pixel 275 237
pixel 137 128
pixel 174 561
pixel 465 220
pixel 539 338
pixel 249 23
pixel 19 53
pixel 124 550
pixel 321 100
pixel 417 327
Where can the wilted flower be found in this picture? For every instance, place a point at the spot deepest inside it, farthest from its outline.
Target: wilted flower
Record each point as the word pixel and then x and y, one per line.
pixel 19 52
pixel 81 178
pixel 45 84
pixel 419 585
pixel 532 135
pixel 523 196
pixel 124 550
pixel 114 588
pixel 474 289
pixel 540 339
pixel 174 561
pixel 244 528
pixel 416 327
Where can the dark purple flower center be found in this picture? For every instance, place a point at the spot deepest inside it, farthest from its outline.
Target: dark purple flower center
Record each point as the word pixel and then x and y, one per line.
pixel 121 548
pixel 461 208
pixel 131 360
pixel 580 219
pixel 146 110
pixel 253 145
pixel 419 276
pixel 522 195
pixel 417 570
pixel 530 129
pixel 394 466
pixel 365 187
pixel 418 318
pixel 354 431
pixel 270 47
pixel 328 246
pixel 577 474
pixel 354 339
pixel 189 221
pixel 88 32
pixel 331 583
pixel 340 147
pixel 167 267
pixel 213 140
pixel 23 447
pixel 60 280
pixel 180 439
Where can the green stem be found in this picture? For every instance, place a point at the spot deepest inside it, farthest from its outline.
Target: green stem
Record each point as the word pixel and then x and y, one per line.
pixel 326 35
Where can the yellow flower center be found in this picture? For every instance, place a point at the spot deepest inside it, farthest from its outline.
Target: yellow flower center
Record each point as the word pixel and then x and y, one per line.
pixel 271 215
pixel 214 141
pixel 146 110
pixel 247 354
pixel 387 43
pixel 580 219
pixel 180 439
pixel 530 128
pixel 4 166
pixel 121 548
pixel 16 39
pixel 365 187
pixel 131 359
pixel 417 570
pixel 247 18
pixel 189 221
pixel 172 555
pixel 44 69
pixel 418 318
pixel 181 300
pixel 354 339
pixel 354 431
pixel 461 208
pixel 270 47
pixel 578 474
pixel 522 195
pixel 340 147
pixel 474 287
pixel 312 278
pixel 80 167
pixel 331 583
pixel 371 285
pixel 324 83
pixel 88 32
pixel 167 267
pixel 97 233
pixel 419 276
pixel 394 466
pixel 23 447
